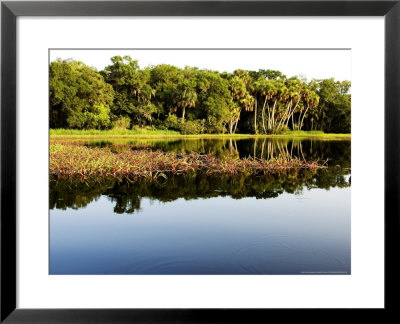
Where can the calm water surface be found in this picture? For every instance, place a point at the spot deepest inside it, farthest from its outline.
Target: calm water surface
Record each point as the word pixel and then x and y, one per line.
pixel 298 224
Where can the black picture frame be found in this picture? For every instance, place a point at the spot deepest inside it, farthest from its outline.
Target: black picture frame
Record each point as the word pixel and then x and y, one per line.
pixel 10 10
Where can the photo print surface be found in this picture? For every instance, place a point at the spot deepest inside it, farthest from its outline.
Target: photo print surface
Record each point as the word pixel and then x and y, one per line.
pixel 202 161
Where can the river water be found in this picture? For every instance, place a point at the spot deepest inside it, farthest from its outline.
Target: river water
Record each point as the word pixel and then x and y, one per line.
pixel 294 224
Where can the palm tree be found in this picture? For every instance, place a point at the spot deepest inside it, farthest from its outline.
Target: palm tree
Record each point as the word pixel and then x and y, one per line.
pixel 187 97
pixel 311 100
pixel 257 89
pixel 240 97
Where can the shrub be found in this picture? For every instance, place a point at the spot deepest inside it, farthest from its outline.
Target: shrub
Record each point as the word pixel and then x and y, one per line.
pixel 283 129
pixel 193 127
pixel 122 123
pixel 172 122
pixel 212 125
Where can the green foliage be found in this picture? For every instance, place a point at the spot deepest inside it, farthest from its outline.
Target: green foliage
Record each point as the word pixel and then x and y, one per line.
pixel 189 127
pixel 133 92
pixel 112 132
pixel 122 123
pixel 193 127
pixel 79 97
pixel 281 130
pixel 334 106
pixel 194 101
pixel 97 116
pixel 172 122
pixel 215 101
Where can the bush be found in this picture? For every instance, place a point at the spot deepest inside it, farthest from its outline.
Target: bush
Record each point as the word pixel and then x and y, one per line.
pixel 193 127
pixel 189 127
pixel 283 129
pixel 213 126
pixel 122 123
pixel 172 122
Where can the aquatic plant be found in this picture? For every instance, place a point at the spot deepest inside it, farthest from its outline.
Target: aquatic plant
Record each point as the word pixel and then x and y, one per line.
pixel 87 163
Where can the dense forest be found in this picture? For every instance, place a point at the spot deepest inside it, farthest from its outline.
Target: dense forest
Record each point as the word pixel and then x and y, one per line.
pixel 194 101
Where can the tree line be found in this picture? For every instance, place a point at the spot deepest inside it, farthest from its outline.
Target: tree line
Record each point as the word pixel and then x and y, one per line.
pixel 192 100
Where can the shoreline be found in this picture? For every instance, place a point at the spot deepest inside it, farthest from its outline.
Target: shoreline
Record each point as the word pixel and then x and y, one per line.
pixel 346 137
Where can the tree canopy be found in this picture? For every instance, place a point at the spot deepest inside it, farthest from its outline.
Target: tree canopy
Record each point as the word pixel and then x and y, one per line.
pixel 194 101
pixel 79 96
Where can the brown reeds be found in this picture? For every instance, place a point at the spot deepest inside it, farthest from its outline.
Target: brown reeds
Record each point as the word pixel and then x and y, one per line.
pixel 87 163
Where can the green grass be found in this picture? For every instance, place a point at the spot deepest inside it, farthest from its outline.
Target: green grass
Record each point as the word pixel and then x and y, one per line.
pixel 315 134
pixel 112 132
pixel 152 133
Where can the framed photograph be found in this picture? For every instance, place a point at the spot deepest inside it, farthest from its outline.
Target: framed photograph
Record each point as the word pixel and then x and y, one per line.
pixel 198 161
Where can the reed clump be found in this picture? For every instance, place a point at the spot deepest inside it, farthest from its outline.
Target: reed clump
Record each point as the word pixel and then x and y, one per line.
pixel 85 163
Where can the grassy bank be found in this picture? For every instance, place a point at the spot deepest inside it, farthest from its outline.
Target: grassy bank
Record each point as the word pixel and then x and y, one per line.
pixel 113 132
pixel 84 163
pixel 150 133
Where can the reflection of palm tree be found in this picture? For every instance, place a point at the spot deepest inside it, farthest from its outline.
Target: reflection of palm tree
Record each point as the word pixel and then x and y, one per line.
pixel 255 147
pixel 262 148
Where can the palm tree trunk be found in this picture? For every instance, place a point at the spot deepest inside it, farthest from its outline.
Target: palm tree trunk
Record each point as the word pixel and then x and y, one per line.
pixel 273 115
pixel 283 119
pixel 262 148
pixel 292 112
pixel 255 117
pixel 292 122
pixel 183 114
pixel 234 130
pixel 302 119
pixel 237 120
pixel 255 147
pixel 262 115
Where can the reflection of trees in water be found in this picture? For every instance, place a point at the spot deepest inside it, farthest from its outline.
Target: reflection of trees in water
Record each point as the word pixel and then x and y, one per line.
pixel 127 196
pixel 336 152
